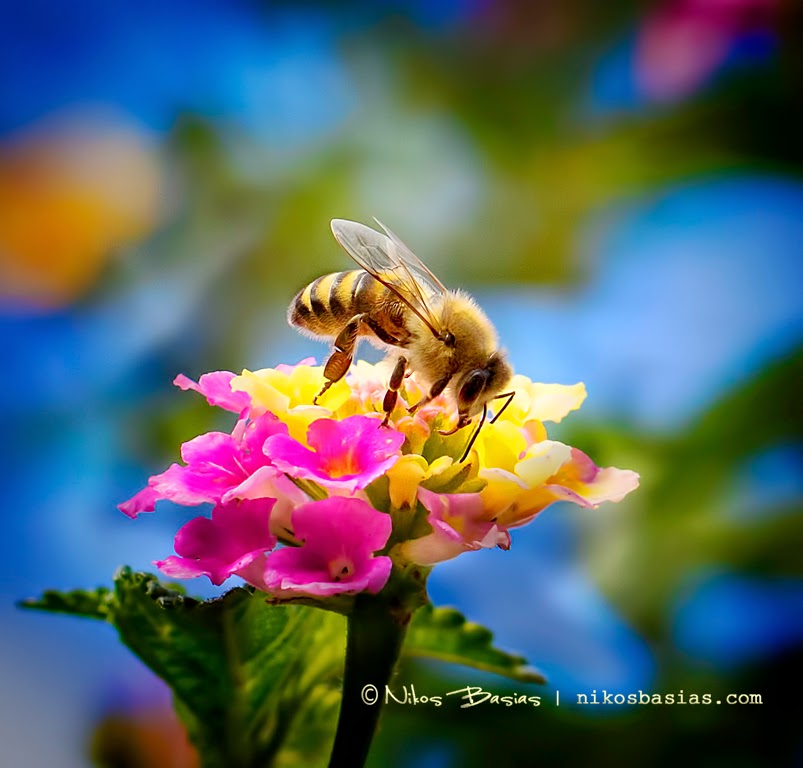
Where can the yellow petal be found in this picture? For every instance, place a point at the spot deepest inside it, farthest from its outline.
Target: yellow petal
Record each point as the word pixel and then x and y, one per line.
pixel 551 402
pixel 526 507
pixel 516 412
pixel 500 444
pixel 542 402
pixel 439 465
pixel 277 391
pixel 404 478
pixel 264 395
pixel 306 381
pixel 501 492
pixel 415 430
pixel 541 461
pixel 299 418
pixel 534 431
pixel 610 484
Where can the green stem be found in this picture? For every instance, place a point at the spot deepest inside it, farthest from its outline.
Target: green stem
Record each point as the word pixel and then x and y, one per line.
pixel 375 635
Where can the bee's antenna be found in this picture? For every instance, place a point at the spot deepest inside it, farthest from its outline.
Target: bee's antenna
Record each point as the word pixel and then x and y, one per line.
pixel 509 396
pixel 475 435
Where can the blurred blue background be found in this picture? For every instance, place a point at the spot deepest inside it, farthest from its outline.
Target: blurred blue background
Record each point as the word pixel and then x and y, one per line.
pixel 620 186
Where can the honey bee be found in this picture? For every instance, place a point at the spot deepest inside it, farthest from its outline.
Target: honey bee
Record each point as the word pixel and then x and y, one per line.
pixel 395 301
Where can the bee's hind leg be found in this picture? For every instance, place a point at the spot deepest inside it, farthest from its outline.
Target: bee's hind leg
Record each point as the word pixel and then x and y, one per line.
pixel 320 394
pixel 392 395
pixel 339 361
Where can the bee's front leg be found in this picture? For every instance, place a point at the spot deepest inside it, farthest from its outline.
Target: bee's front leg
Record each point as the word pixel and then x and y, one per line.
pixel 392 395
pixel 340 360
pixel 462 421
pixel 437 389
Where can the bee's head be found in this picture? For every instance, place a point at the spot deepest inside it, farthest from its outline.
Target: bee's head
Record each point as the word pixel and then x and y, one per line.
pixel 479 385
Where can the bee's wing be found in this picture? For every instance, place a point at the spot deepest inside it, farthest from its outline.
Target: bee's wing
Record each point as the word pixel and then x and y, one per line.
pixel 418 270
pixel 390 261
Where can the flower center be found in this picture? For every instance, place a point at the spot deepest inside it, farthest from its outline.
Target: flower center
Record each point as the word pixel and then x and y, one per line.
pixel 343 465
pixel 340 568
pixel 457 522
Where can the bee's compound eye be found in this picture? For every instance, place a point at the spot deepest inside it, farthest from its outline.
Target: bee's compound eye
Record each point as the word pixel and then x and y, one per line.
pixel 448 339
pixel 473 386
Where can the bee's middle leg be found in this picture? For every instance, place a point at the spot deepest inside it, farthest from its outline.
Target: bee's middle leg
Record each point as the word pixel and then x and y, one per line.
pixel 343 353
pixel 392 395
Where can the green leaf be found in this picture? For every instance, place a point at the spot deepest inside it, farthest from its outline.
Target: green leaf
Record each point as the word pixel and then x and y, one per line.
pixel 90 604
pixel 450 479
pixel 379 493
pixel 444 634
pixel 311 488
pixel 246 676
pixel 474 485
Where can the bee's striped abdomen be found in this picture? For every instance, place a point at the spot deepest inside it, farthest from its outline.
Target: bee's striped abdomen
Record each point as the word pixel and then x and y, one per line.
pixel 326 304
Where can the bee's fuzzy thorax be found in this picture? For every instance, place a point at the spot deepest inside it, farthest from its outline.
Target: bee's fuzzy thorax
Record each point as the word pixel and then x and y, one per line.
pixel 475 338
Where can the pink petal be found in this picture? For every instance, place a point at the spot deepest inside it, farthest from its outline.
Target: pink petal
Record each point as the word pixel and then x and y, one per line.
pixel 182 485
pixel 335 532
pixel 433 548
pixel 268 482
pixel 338 524
pixel 362 437
pixel 249 567
pixel 288 455
pixel 288 369
pixel 237 534
pixel 254 573
pixel 144 501
pixel 588 485
pixel 377 573
pixel 458 525
pixel 347 454
pixel 180 568
pixel 212 467
pixel 256 433
pixel 579 481
pixel 216 388
pixel 217 462
pixel 285 579
pixel 610 484
pixel 467 508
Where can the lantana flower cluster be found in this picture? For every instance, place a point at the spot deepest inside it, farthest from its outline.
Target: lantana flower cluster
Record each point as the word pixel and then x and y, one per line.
pixel 323 499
